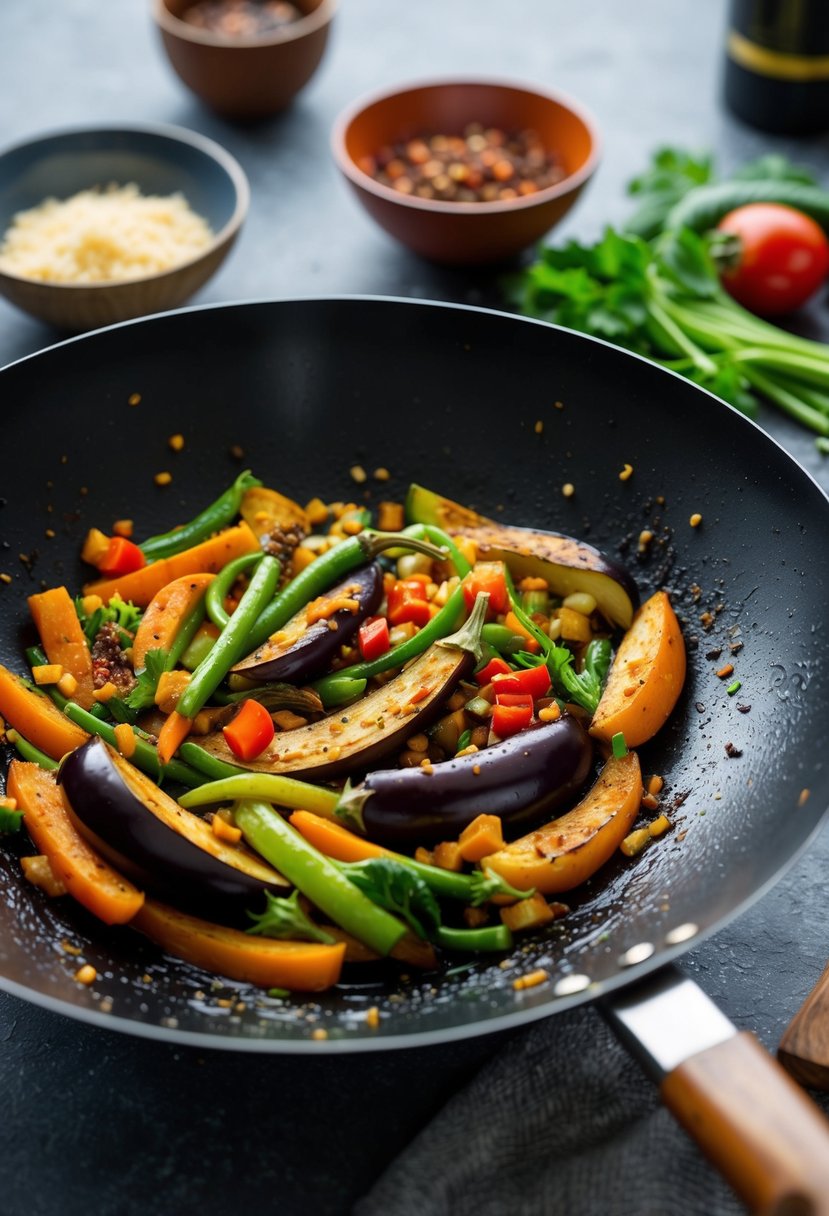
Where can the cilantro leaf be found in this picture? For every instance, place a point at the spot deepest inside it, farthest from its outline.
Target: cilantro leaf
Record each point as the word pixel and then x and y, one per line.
pixel 284 918
pixel 393 886
pixel 143 695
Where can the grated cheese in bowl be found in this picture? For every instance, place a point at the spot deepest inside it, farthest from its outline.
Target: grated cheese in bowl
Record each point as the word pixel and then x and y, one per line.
pixel 103 236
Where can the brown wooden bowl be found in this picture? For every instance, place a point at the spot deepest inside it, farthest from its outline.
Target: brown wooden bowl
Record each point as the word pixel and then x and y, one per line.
pixel 466 233
pixel 245 78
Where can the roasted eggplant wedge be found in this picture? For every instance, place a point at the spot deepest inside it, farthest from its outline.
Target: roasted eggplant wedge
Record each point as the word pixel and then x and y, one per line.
pixel 353 739
pixel 307 643
pixel 520 779
pixel 568 565
pixel 151 839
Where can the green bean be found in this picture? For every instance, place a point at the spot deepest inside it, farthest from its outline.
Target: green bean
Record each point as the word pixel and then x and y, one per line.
pixel 440 626
pixel 316 876
pixel 324 572
pixel 439 537
pixel 188 630
pixel 211 767
pixel 224 580
pixel 503 639
pixel 28 751
pixel 266 787
pixel 490 937
pixel 233 642
pixel 197 651
pixel 339 689
pixel 145 755
pixel 212 519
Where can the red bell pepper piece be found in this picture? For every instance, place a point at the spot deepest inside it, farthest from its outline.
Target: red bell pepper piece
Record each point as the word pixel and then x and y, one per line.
pixel 487 576
pixel 532 680
pixel 407 602
pixel 495 667
pixel 250 732
pixel 373 638
pixel 513 712
pixel 122 557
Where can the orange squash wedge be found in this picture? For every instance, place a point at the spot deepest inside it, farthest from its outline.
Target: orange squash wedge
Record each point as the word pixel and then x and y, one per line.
pixel 37 718
pixel 166 613
pixel 53 612
pixel 646 677
pixel 87 877
pixel 268 962
pixel 568 850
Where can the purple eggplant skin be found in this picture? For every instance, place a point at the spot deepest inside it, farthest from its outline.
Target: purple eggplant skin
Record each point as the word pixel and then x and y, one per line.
pixel 305 651
pixel 520 779
pixel 117 822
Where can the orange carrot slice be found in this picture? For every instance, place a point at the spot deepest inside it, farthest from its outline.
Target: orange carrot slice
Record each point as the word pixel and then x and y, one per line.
pixel 63 639
pixel 87 877
pixel 334 840
pixel 173 733
pixel 37 718
pixel 210 556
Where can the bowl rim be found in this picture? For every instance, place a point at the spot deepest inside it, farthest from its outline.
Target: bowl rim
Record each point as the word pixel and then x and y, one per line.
pixel 309 23
pixel 364 181
pixel 202 143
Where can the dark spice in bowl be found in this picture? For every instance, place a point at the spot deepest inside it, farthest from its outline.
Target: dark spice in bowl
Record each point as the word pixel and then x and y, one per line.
pixel 482 165
pixel 241 18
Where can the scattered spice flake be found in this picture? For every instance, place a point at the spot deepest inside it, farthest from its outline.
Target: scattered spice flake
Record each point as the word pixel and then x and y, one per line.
pixel 706 620
pixel 568 489
pixel 106 1005
pixel 626 473
pixel 123 527
pixel 539 427
pixel 655 784
pixel 49 533
pixel 163 479
pixel 381 474
pixel 695 520
pixel 803 797
pixel 645 539
pixel 650 802
pixel 358 473
pixel 319 1033
pixel 679 799
pixel 134 399
pixel 237 451
pixel 559 405
pixel 743 709
pixel 531 980
pixel 732 752
pixel 373 1017
pixel 726 671
pixel 5 578
pixel 696 591
pixel 714 654
pixel 735 647
pixel 86 974
pixel 68 948
pixel 734 687
pixel 175 443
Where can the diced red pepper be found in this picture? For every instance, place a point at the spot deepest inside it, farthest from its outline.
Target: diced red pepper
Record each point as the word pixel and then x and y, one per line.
pixel 373 638
pixel 407 602
pixel 494 667
pixel 532 680
pixel 487 576
pixel 513 712
pixel 122 557
pixel 250 732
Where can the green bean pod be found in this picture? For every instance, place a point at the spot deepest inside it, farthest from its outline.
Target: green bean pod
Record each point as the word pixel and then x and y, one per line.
pixel 234 640
pixel 212 519
pixel 28 751
pixel 317 877
pixel 145 755
pixel 266 787
pixel 215 595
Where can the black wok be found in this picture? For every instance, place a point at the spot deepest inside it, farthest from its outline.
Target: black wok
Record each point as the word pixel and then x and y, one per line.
pixel 500 413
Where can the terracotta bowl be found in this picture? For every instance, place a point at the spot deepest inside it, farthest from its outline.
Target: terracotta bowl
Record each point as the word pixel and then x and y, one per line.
pixel 245 78
pixel 158 160
pixel 466 233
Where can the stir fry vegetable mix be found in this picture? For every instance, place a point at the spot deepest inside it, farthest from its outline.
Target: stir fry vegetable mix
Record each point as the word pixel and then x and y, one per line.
pixel 389 743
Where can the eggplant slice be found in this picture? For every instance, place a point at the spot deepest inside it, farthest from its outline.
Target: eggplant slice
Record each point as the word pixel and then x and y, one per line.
pixel 568 565
pixel 151 839
pixel 299 650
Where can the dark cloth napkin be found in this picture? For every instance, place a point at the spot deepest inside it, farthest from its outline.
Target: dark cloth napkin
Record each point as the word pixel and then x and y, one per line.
pixel 561 1121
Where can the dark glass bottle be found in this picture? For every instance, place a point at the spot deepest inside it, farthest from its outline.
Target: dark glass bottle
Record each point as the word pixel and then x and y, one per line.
pixel 777 64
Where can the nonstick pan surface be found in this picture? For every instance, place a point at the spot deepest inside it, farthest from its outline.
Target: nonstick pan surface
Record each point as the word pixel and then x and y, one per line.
pixel 500 413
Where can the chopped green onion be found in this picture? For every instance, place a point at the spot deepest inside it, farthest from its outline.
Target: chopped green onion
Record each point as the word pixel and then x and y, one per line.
pixel 464 741
pixel 734 687
pixel 620 748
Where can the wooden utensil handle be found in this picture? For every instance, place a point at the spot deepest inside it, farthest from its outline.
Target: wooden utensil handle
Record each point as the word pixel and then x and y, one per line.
pixel 804 1048
pixel 761 1131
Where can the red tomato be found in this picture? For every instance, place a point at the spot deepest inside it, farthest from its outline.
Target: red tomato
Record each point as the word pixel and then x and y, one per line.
pixel 250 732
pixel 532 680
pixel 784 257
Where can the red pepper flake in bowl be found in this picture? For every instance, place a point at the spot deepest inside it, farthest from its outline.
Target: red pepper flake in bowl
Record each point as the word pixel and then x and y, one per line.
pixel 483 165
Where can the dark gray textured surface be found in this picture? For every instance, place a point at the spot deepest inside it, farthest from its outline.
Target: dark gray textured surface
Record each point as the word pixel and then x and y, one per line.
pixel 129 1126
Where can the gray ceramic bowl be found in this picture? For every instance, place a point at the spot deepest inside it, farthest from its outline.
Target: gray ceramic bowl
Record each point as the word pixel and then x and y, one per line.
pixel 159 160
